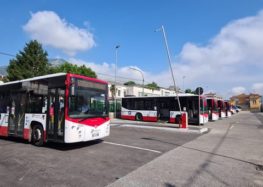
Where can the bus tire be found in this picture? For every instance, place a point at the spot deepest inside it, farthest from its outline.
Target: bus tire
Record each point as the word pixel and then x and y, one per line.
pixel 37 136
pixel 138 117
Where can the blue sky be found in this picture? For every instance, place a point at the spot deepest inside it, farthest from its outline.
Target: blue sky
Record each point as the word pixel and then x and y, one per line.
pixel 202 37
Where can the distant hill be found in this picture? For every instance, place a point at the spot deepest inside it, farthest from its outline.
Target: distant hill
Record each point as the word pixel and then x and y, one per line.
pixel 53 62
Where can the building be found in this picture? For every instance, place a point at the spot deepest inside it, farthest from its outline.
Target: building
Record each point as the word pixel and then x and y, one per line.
pixel 250 102
pixel 1 79
pixel 137 91
pixel 255 102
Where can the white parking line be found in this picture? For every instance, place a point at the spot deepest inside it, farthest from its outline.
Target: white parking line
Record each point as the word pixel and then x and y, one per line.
pixel 133 147
pixel 231 126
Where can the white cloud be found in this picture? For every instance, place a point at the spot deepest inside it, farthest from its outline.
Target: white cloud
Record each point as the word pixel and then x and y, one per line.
pixel 258 88
pixel 238 90
pixel 107 71
pixel 232 57
pixel 49 29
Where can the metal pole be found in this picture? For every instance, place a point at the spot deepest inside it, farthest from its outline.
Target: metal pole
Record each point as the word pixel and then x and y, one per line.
pixel 169 58
pixel 115 86
pixel 199 106
pixel 203 110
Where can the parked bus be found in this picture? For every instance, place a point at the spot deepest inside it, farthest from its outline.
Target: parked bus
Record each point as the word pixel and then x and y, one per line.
pixel 228 112
pixel 212 109
pixel 60 107
pixel 165 108
pixel 221 108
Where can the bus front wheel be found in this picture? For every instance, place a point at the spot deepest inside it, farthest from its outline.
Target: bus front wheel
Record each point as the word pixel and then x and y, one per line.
pixel 138 117
pixel 37 136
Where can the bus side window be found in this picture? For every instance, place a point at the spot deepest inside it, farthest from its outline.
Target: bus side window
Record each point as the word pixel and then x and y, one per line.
pixel 35 104
pixel 3 104
pixel 44 105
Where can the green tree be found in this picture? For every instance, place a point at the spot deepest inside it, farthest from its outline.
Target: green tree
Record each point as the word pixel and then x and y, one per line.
pixel 30 62
pixel 129 83
pixel 152 86
pixel 113 91
pixel 188 90
pixel 73 68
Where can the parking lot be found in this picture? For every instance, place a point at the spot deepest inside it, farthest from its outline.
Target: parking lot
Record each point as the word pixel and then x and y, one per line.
pixel 96 163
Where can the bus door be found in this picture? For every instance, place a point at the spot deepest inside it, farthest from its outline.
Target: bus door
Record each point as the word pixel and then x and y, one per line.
pixel 56 111
pixel 17 108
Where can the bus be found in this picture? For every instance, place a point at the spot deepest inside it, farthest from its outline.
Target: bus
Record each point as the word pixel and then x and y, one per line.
pixel 165 108
pixel 61 107
pixel 228 112
pixel 222 108
pixel 212 105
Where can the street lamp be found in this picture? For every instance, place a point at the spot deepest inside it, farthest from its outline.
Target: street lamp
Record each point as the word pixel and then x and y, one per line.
pixel 142 78
pixel 115 82
pixel 170 63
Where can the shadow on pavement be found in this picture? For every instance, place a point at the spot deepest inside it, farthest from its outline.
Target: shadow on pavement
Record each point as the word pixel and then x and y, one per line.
pixel 52 145
pixel 12 140
pixel 71 146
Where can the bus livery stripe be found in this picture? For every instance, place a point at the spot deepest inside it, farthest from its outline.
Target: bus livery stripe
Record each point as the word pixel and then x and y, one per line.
pixel 3 131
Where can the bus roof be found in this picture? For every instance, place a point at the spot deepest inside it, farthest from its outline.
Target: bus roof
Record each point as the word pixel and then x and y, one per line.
pixel 180 95
pixel 35 78
pixel 50 76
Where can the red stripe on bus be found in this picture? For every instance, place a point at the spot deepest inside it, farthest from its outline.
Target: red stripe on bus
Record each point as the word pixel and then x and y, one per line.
pixel 173 120
pixel 89 121
pixel 26 134
pixel 149 118
pixel 128 117
pixel 3 131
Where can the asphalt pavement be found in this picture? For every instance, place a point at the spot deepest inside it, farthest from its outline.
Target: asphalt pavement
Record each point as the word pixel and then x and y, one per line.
pixel 95 163
pixel 231 154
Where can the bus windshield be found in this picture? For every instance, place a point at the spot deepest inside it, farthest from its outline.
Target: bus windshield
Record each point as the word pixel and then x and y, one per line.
pixel 87 99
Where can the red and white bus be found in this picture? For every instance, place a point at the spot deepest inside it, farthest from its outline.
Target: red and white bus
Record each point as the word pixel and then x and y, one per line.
pixel 228 112
pixel 60 107
pixel 165 108
pixel 221 108
pixel 212 105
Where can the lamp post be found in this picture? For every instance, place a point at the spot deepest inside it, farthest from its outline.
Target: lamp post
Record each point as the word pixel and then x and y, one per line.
pixel 115 81
pixel 170 63
pixel 142 78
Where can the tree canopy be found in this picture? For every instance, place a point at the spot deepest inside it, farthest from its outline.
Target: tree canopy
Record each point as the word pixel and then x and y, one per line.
pixel 73 68
pixel 152 86
pixel 129 83
pixel 33 61
pixel 30 62
pixel 188 90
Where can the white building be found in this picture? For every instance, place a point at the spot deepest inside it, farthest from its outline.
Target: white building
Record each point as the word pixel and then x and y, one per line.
pixel 1 78
pixel 135 90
